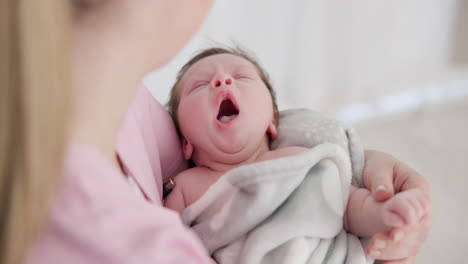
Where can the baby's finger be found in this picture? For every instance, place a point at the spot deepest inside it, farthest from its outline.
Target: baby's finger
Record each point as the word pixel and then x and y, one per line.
pixel 391 245
pixel 378 245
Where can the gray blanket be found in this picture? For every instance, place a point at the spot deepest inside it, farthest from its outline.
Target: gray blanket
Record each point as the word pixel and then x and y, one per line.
pixel 288 210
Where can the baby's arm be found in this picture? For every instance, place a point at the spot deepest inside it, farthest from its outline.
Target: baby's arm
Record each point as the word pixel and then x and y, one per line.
pixel 175 200
pixel 190 185
pixel 364 216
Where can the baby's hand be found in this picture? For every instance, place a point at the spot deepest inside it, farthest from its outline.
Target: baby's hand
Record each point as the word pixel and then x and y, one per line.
pixel 406 208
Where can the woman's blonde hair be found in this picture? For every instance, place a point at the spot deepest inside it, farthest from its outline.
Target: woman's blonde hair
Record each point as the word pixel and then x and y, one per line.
pixel 34 93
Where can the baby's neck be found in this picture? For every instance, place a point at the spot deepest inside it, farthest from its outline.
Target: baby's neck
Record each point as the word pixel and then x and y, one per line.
pixel 229 162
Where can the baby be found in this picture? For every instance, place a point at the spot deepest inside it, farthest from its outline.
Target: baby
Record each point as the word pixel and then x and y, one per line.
pixel 225 110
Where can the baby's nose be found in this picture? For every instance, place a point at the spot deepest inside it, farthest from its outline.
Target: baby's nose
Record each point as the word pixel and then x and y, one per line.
pixel 227 81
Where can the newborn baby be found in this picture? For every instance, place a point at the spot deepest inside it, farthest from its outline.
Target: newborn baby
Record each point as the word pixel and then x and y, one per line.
pixel 225 109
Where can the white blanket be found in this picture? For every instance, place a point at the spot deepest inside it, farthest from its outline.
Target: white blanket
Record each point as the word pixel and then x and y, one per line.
pixel 288 210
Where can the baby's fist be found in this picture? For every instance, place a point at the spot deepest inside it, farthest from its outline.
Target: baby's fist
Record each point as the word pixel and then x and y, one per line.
pixel 406 208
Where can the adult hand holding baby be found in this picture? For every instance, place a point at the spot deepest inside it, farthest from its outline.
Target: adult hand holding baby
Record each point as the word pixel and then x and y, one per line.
pixel 384 175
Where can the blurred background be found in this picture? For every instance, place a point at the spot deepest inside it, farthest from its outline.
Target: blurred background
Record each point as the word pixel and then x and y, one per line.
pixel 395 70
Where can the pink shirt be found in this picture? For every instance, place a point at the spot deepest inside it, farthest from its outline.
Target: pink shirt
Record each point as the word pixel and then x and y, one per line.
pixel 98 217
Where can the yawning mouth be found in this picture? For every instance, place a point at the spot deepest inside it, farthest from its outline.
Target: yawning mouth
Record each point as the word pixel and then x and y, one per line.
pixel 227 111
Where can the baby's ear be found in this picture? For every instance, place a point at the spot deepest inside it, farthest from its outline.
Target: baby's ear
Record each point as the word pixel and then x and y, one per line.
pixel 272 130
pixel 187 148
pixel 273 126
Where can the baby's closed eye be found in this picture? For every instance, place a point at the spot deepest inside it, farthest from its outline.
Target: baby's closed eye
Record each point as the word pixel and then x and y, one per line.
pixel 198 84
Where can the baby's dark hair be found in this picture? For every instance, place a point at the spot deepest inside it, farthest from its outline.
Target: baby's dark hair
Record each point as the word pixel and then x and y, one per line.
pixel 174 97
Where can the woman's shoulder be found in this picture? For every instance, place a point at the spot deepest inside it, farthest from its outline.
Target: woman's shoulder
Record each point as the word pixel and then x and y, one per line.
pixel 158 133
pixel 148 144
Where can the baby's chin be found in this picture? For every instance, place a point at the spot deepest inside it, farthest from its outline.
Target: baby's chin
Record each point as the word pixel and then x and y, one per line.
pixel 230 143
pixel 230 150
pixel 231 153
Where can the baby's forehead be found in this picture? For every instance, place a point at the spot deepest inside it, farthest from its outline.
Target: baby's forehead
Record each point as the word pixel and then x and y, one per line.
pixel 226 60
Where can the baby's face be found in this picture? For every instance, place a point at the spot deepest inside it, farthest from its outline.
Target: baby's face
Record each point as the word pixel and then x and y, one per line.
pixel 225 109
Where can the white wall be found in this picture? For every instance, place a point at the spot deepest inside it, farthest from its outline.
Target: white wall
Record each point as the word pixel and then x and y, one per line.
pixel 328 55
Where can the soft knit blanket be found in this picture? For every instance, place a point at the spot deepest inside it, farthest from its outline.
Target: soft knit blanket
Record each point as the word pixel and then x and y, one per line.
pixel 288 210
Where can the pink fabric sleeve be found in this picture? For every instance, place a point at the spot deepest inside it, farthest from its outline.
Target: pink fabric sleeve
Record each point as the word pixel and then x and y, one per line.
pixel 158 133
pixel 97 217
pixel 148 144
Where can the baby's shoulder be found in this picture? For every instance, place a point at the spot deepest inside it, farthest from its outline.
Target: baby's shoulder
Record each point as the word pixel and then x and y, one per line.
pixel 194 182
pixel 188 173
pixel 195 173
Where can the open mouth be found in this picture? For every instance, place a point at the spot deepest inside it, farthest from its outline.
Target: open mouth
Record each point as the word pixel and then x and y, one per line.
pixel 227 111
